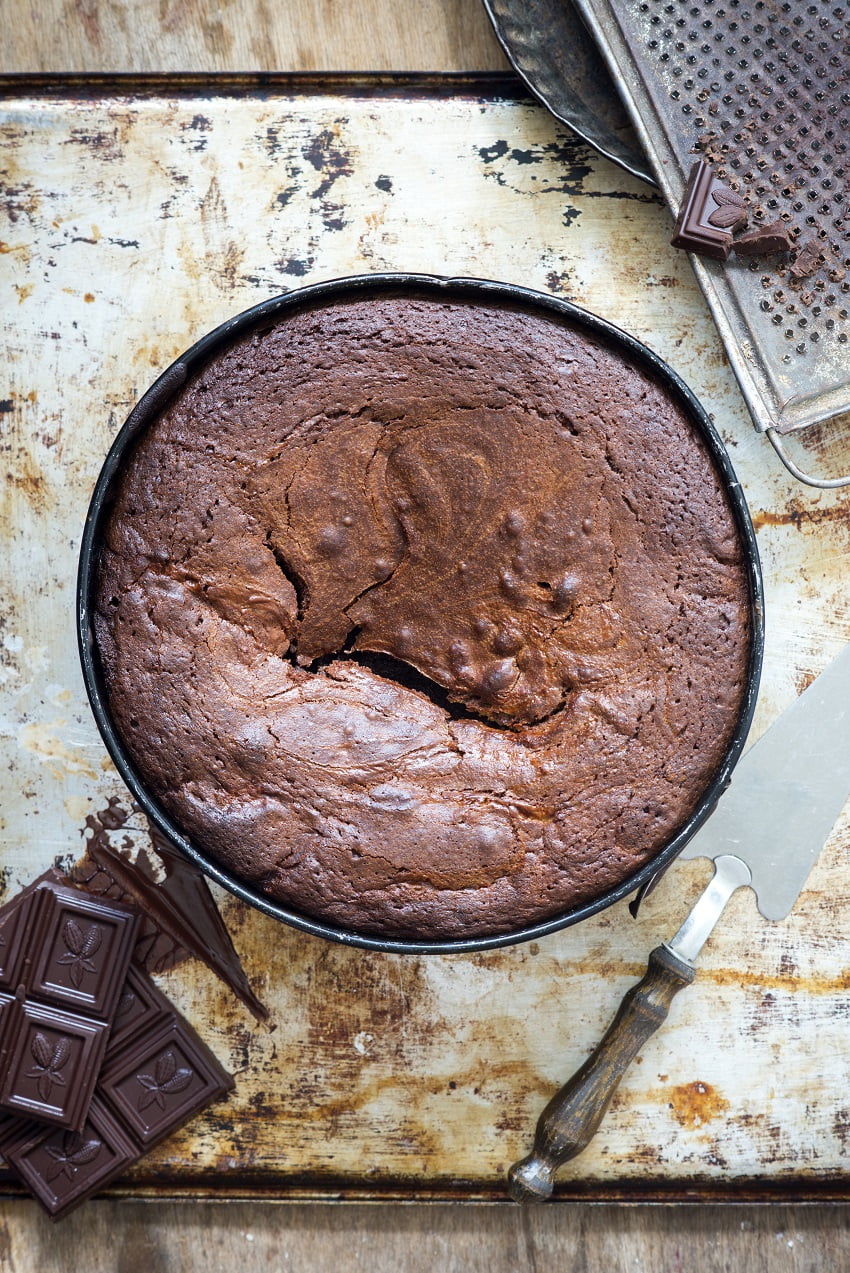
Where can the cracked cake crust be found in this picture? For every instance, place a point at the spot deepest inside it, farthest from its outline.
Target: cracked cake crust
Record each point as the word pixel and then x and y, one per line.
pixel 427 618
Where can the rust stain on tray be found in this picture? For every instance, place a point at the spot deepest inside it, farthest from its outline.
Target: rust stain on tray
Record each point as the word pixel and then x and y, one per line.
pixel 697 1103
pixel 802 516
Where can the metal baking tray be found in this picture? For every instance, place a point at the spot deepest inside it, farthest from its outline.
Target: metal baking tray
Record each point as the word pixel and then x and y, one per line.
pixel 763 95
pixel 136 215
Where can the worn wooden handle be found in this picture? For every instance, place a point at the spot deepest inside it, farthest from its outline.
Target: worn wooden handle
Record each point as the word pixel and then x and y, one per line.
pixel 569 1121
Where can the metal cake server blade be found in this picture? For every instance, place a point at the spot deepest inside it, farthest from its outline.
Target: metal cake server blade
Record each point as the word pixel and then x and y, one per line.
pixel 766 832
pixel 796 780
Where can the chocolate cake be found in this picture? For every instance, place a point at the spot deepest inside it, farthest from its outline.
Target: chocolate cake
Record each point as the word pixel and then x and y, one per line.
pixel 426 617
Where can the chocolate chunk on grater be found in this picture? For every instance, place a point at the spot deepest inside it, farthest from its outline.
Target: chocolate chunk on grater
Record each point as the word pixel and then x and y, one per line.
pixel 807 260
pixel 763 241
pixel 697 227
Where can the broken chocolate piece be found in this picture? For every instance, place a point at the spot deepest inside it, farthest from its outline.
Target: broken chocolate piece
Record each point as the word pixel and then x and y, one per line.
pixel 62 1169
pixel 155 950
pixel 179 915
pixel 201 929
pixel 807 260
pixel 704 196
pixel 764 240
pixel 183 906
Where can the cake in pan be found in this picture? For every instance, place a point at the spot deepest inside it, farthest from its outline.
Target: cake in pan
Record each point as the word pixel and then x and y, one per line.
pixel 425 617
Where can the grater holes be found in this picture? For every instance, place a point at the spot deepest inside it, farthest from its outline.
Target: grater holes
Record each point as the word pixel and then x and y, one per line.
pixel 767 77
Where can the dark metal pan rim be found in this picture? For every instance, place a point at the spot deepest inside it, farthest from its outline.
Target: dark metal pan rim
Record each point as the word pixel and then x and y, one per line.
pixel 433 286
pixel 554 54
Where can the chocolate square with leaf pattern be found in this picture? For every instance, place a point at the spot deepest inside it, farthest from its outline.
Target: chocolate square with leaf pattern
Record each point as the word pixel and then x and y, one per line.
pixel 82 948
pixel 51 1061
pixel 161 1082
pixel 63 1168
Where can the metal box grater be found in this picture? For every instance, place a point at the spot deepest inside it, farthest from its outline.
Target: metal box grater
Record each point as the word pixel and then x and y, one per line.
pixel 760 89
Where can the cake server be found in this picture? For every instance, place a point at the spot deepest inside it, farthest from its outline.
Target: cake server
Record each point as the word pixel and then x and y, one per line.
pixel 766 832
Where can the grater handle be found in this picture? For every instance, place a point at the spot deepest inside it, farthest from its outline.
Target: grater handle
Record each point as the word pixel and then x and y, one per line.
pixel 569 1121
pixel 823 483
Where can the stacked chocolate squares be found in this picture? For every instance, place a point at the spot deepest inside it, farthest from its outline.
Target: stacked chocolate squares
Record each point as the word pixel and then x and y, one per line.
pixel 96 1065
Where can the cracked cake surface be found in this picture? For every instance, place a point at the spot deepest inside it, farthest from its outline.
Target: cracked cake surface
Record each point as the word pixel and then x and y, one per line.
pixel 427 618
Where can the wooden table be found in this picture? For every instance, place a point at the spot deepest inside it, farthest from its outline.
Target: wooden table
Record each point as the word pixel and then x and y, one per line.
pixel 371 35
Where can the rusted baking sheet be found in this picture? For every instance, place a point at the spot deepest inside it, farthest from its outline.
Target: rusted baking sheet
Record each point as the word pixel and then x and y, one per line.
pixel 136 215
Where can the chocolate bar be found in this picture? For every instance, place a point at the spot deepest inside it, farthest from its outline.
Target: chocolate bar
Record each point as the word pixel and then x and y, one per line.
pixel 86 1092
pixel 66 963
pixel 708 212
pixel 158 1074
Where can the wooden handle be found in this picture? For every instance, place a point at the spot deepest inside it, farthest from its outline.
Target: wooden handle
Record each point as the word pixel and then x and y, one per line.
pixel 569 1121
